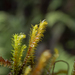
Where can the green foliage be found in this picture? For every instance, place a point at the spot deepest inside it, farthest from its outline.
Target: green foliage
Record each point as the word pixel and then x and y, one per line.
pixel 28 66
pixel 54 17
pixel 17 65
pixel 17 52
pixel 17 16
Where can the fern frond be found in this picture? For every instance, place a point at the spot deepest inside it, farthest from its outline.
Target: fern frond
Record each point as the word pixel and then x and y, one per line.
pixel 17 52
pixel 51 62
pixel 35 37
pixel 41 63
pixel 5 62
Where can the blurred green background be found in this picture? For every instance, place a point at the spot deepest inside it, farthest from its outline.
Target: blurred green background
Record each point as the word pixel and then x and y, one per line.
pixel 17 16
